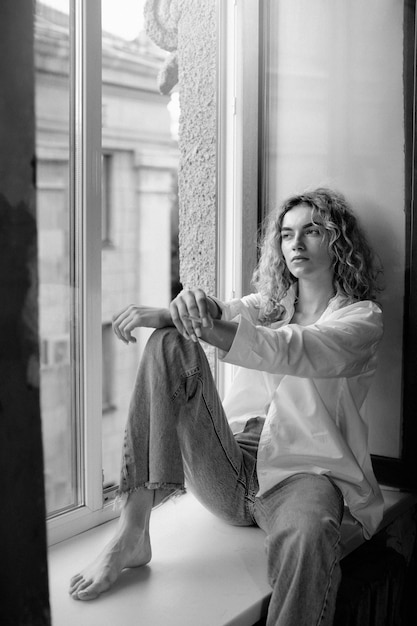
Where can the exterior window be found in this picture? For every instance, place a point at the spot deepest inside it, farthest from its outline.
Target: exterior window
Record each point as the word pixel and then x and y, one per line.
pixel 108 236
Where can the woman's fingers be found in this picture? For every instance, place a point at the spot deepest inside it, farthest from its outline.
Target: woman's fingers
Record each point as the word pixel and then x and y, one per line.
pixel 189 312
pixel 116 321
pixel 126 327
pixel 124 322
pixel 203 309
pixel 180 317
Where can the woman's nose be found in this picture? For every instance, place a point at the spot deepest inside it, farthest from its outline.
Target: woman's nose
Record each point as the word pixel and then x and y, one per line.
pixel 298 242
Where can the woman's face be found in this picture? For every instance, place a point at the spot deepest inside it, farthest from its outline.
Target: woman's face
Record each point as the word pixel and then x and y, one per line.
pixel 305 244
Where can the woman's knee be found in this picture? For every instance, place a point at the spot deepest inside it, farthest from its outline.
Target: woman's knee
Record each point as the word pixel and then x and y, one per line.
pixel 168 349
pixel 163 335
pixel 162 341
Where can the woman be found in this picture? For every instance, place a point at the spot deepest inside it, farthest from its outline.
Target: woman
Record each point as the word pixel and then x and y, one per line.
pixel 293 448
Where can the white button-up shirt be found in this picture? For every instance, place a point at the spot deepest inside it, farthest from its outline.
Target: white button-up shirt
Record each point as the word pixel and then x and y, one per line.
pixel 310 383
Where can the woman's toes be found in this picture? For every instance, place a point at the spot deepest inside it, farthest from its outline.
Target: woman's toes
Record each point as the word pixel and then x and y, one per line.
pixel 87 594
pixel 79 585
pixel 75 579
pixel 81 591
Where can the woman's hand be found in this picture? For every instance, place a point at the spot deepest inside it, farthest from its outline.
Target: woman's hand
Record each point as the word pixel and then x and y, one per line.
pixel 132 317
pixel 191 311
pixel 196 316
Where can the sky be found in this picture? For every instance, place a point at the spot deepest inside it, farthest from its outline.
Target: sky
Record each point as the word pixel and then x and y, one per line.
pixel 119 17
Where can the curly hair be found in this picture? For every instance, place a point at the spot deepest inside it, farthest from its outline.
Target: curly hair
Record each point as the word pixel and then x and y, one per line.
pixel 355 268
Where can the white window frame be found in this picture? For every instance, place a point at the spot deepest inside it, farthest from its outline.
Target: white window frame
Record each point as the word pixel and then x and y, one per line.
pixel 85 200
pixel 237 167
pixel 237 215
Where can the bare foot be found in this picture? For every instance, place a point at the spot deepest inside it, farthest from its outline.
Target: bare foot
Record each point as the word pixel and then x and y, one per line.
pixel 131 549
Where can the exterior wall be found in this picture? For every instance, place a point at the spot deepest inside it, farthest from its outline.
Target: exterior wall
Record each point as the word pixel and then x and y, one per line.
pixel 24 584
pixel 197 173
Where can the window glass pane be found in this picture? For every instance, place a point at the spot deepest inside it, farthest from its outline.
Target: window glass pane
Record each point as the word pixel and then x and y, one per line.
pixel 139 203
pixel 56 296
pixel 334 72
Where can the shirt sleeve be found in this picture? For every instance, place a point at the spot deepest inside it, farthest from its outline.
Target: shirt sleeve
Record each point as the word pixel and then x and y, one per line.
pixel 341 344
pixel 248 307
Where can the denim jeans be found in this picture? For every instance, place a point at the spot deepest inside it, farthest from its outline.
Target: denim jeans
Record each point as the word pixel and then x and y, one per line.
pixel 177 432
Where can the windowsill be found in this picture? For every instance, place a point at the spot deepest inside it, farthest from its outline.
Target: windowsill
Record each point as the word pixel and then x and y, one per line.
pixel 203 571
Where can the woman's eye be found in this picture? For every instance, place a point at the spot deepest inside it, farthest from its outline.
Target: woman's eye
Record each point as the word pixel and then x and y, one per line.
pixel 285 236
pixel 313 231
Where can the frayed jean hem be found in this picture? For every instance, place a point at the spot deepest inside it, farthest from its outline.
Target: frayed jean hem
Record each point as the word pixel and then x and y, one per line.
pixel 174 490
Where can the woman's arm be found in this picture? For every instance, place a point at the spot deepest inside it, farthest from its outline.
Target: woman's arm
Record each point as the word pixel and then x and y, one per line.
pixel 221 335
pixel 195 315
pixel 342 344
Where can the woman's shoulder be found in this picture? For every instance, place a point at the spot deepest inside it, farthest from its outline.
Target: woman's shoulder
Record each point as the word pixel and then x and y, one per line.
pixel 342 306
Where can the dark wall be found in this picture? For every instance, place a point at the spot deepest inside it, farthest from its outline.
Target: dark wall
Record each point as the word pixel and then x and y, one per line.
pixel 23 569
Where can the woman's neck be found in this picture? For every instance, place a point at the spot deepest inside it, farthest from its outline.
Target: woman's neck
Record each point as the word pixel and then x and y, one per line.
pixel 312 301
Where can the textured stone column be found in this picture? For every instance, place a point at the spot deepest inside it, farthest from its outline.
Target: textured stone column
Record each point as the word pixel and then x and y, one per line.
pixel 187 29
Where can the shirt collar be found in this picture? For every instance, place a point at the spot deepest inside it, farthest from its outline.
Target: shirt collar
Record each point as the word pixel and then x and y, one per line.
pixel 338 301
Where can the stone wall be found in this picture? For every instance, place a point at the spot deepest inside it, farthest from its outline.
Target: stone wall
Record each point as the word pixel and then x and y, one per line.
pixel 187 29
